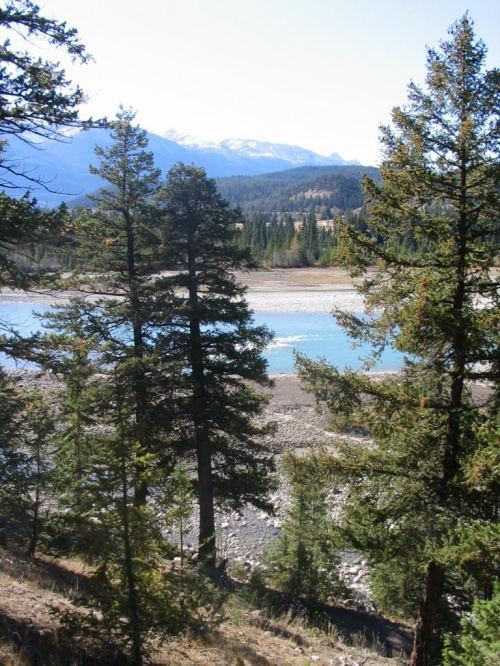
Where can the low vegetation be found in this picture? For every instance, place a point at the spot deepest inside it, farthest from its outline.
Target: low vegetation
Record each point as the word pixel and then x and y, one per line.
pixel 248 629
pixel 160 379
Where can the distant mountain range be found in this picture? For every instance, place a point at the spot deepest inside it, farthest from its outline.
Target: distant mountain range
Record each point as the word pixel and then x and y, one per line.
pixel 63 166
pixel 287 156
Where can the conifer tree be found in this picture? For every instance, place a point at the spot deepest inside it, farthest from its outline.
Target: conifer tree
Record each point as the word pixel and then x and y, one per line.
pixel 36 101
pixel 179 503
pixel 303 562
pixel 14 462
pixel 119 241
pixel 99 464
pixel 39 426
pixel 479 643
pixel 217 348
pixel 440 184
pixel 120 538
pixel 67 351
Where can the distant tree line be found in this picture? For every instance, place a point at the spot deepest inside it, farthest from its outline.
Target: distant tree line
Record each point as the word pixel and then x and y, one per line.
pixel 159 376
pixel 331 189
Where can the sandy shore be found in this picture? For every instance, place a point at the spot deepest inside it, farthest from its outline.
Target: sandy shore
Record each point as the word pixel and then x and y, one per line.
pixel 291 290
pixel 305 301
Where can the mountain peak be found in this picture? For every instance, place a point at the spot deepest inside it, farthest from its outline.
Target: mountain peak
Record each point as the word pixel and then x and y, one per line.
pixel 64 164
pixel 255 149
pixel 189 140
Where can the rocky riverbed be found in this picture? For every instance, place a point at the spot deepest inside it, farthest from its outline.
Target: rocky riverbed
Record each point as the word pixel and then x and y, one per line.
pixel 298 426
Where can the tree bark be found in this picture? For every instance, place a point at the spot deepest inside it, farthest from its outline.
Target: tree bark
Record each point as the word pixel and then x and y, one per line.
pixel 426 624
pixel 132 596
pixel 206 540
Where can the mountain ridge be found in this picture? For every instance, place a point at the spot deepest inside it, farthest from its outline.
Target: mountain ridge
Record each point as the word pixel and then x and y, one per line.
pixel 296 155
pixel 63 166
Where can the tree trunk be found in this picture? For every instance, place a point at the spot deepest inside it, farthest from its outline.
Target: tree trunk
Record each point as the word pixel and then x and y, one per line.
pixel 36 509
pixel 132 596
pixel 206 541
pixel 34 530
pixel 426 624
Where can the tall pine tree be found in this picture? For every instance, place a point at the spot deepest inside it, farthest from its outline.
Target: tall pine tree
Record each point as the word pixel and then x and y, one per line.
pixel 119 241
pixel 440 185
pixel 217 348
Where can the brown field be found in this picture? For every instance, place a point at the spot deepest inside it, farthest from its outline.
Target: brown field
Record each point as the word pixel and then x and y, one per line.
pixel 296 279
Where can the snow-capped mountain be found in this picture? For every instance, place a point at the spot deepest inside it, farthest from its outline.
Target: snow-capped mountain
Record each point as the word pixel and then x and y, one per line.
pixel 251 148
pixel 64 165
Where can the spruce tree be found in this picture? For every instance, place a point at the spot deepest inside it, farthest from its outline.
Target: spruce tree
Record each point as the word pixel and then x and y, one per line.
pixel 15 463
pixel 118 241
pixel 479 642
pixel 39 423
pixel 440 185
pixel 36 102
pixel 217 348
pixel 303 561
pixel 69 351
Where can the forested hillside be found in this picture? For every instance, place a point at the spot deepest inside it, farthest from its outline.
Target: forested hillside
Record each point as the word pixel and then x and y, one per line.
pixel 322 189
pixel 289 217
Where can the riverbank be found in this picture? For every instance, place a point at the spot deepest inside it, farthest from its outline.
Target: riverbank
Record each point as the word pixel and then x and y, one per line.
pixel 273 290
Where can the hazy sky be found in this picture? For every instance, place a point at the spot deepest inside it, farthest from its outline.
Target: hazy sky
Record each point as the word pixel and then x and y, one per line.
pixel 321 74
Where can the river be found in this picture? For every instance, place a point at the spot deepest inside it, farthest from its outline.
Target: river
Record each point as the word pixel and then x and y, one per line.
pixel 314 334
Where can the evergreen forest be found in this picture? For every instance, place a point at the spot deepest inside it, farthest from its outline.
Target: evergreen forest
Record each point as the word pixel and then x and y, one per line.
pixel 141 411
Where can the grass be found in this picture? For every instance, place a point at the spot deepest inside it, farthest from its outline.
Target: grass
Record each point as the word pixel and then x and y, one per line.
pixel 259 628
pixel 296 278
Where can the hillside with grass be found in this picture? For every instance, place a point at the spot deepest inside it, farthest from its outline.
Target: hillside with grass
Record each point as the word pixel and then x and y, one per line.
pixel 43 598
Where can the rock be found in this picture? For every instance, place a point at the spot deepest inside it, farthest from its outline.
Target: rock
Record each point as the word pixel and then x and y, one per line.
pixel 256 614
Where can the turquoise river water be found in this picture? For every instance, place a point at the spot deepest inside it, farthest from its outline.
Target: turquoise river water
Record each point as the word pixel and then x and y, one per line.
pixel 310 333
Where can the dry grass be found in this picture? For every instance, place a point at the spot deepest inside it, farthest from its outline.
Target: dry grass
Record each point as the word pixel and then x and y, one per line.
pixel 29 631
pixel 296 279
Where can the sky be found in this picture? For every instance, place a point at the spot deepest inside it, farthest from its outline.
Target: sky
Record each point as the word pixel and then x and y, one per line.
pixel 320 74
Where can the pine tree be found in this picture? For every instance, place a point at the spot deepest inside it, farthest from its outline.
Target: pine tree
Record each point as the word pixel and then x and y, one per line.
pixel 119 241
pixel 69 352
pixel 36 101
pixel 218 349
pixel 118 537
pixel 98 465
pixel 14 463
pixel 479 643
pixel 440 184
pixel 304 560
pixel 179 500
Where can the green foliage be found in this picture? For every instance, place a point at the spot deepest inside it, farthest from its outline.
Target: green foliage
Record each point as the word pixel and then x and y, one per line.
pixel 216 348
pixel 23 223
pixel 37 442
pixel 479 642
pixel 36 100
pixel 36 96
pixel 179 499
pixel 118 240
pixel 410 491
pixel 304 560
pixel 67 352
pixel 14 463
pixel 119 235
pixel 26 471
pixel 396 585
